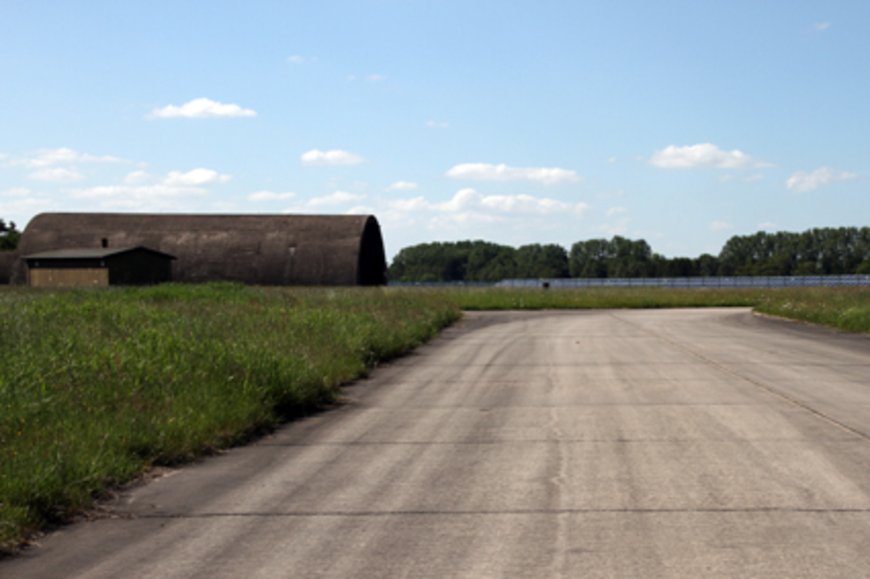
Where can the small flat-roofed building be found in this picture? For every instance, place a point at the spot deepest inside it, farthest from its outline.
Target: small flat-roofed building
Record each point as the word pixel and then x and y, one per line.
pixel 98 267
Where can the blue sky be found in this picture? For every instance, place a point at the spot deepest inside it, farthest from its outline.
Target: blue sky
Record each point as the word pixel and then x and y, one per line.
pixel 680 122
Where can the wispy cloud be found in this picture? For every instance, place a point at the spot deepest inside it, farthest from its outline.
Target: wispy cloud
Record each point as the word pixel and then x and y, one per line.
pixel 331 157
pixel 138 191
pixel 334 199
pixel 469 200
pixel 194 178
pixel 270 196
pixel 433 124
pixel 201 108
pixel 803 182
pixel 702 155
pixel 502 172
pixel 720 225
pixel 471 214
pixel 373 77
pixel 822 26
pixel 300 59
pixel 402 186
pixel 18 203
pixel 51 157
pixel 57 175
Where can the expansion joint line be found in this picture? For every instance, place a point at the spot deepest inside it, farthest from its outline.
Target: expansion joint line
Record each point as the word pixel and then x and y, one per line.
pixel 757 383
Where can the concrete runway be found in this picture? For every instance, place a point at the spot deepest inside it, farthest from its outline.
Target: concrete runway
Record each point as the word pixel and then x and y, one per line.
pixel 671 443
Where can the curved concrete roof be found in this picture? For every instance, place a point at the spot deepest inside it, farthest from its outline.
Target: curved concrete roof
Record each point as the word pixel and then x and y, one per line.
pixel 254 249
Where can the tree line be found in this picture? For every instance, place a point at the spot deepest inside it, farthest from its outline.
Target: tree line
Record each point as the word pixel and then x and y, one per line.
pixel 841 250
pixel 9 236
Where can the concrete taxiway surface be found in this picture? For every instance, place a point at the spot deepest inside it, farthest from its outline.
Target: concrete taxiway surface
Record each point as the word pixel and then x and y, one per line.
pixel 680 443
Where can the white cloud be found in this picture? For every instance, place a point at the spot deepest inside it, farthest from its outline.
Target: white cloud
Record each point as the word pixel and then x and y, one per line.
pixel 202 108
pixel 52 157
pixel 23 206
pixel 194 178
pixel 16 192
pixel 803 182
pixel 19 204
pixel 402 186
pixel 56 175
pixel 361 210
pixel 140 191
pixel 469 199
pixel 719 225
pixel 296 59
pixel 136 178
pixel 702 155
pixel 266 196
pixel 470 214
pixel 331 157
pixel 616 211
pixel 822 26
pixel 373 77
pixel 333 199
pixel 766 226
pixel 502 172
pixel 433 124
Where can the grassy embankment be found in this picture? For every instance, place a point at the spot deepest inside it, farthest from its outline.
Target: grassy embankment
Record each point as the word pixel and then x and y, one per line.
pixel 96 386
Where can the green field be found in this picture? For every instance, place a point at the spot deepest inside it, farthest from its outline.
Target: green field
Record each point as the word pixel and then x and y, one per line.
pixel 98 386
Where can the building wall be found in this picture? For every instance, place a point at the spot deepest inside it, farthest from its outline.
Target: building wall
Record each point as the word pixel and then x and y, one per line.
pixel 255 249
pixel 69 277
pixel 8 262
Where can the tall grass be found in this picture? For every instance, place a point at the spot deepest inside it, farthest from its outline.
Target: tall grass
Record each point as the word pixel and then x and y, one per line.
pixel 846 309
pixel 596 298
pixel 96 386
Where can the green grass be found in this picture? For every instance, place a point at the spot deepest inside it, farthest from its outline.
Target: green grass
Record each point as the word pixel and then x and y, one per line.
pixel 842 308
pixel 96 386
pixel 845 309
pixel 596 298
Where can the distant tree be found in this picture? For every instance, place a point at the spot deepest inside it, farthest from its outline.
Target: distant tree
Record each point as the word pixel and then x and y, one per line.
pixel 431 262
pixel 706 265
pixel 826 250
pixel 589 258
pixel 9 236
pixel 816 251
pixel 491 262
pixel 541 261
pixel 619 257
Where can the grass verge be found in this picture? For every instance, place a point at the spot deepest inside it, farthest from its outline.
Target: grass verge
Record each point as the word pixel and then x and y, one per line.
pixel 596 298
pixel 842 308
pixel 96 386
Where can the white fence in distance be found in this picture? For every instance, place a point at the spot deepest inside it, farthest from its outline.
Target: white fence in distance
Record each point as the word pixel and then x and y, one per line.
pixel 762 281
